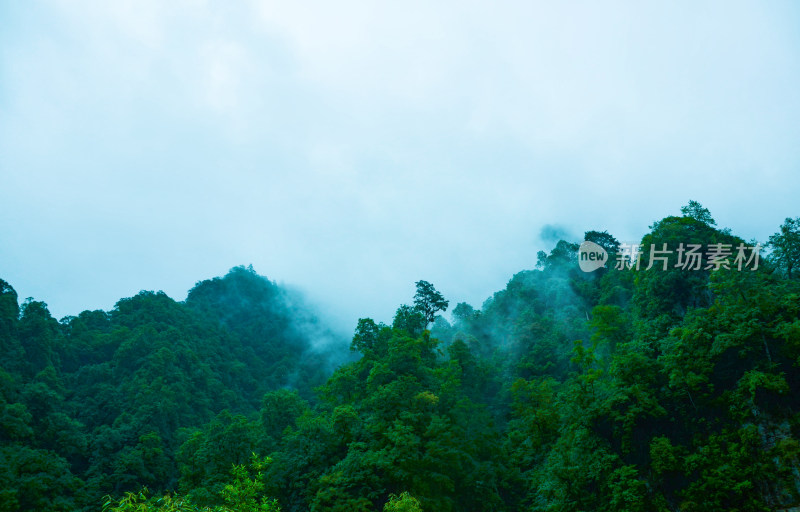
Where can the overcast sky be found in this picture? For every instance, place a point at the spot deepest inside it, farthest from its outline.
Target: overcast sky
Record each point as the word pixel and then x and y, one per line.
pixel 351 148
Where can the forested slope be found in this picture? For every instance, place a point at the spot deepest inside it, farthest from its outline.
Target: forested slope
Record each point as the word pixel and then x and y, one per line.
pixel 661 389
pixel 100 403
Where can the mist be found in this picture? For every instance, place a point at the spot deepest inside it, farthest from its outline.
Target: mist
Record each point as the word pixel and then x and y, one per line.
pixel 353 150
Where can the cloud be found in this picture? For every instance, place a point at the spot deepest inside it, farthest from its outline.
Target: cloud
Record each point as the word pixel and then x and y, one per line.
pixel 357 147
pixel 552 234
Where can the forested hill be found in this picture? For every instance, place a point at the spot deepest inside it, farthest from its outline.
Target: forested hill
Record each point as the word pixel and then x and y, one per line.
pixel 667 385
pixel 98 403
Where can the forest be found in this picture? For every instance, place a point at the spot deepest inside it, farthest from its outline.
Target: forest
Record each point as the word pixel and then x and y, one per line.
pixel 669 388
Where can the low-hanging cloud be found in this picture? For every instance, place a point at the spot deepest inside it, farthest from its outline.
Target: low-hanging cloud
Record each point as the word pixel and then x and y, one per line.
pixel 352 149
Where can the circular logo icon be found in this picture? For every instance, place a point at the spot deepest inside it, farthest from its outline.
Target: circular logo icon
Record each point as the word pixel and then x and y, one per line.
pixel 591 256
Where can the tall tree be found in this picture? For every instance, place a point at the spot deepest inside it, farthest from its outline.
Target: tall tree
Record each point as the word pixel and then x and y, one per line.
pixel 785 245
pixel 696 211
pixel 428 301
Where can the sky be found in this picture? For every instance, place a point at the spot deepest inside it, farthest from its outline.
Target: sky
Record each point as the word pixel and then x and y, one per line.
pixel 351 148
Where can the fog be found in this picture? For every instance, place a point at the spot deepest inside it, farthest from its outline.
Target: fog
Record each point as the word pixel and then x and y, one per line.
pixel 351 149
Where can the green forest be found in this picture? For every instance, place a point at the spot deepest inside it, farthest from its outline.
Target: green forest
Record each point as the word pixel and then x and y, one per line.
pixel 624 389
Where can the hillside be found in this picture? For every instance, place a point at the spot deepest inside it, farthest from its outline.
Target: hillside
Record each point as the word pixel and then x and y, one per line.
pixel 673 387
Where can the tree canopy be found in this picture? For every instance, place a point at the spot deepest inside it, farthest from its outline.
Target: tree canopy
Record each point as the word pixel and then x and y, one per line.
pixel 641 388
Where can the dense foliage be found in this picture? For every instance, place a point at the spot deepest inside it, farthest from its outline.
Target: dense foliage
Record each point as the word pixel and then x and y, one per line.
pixel 661 389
